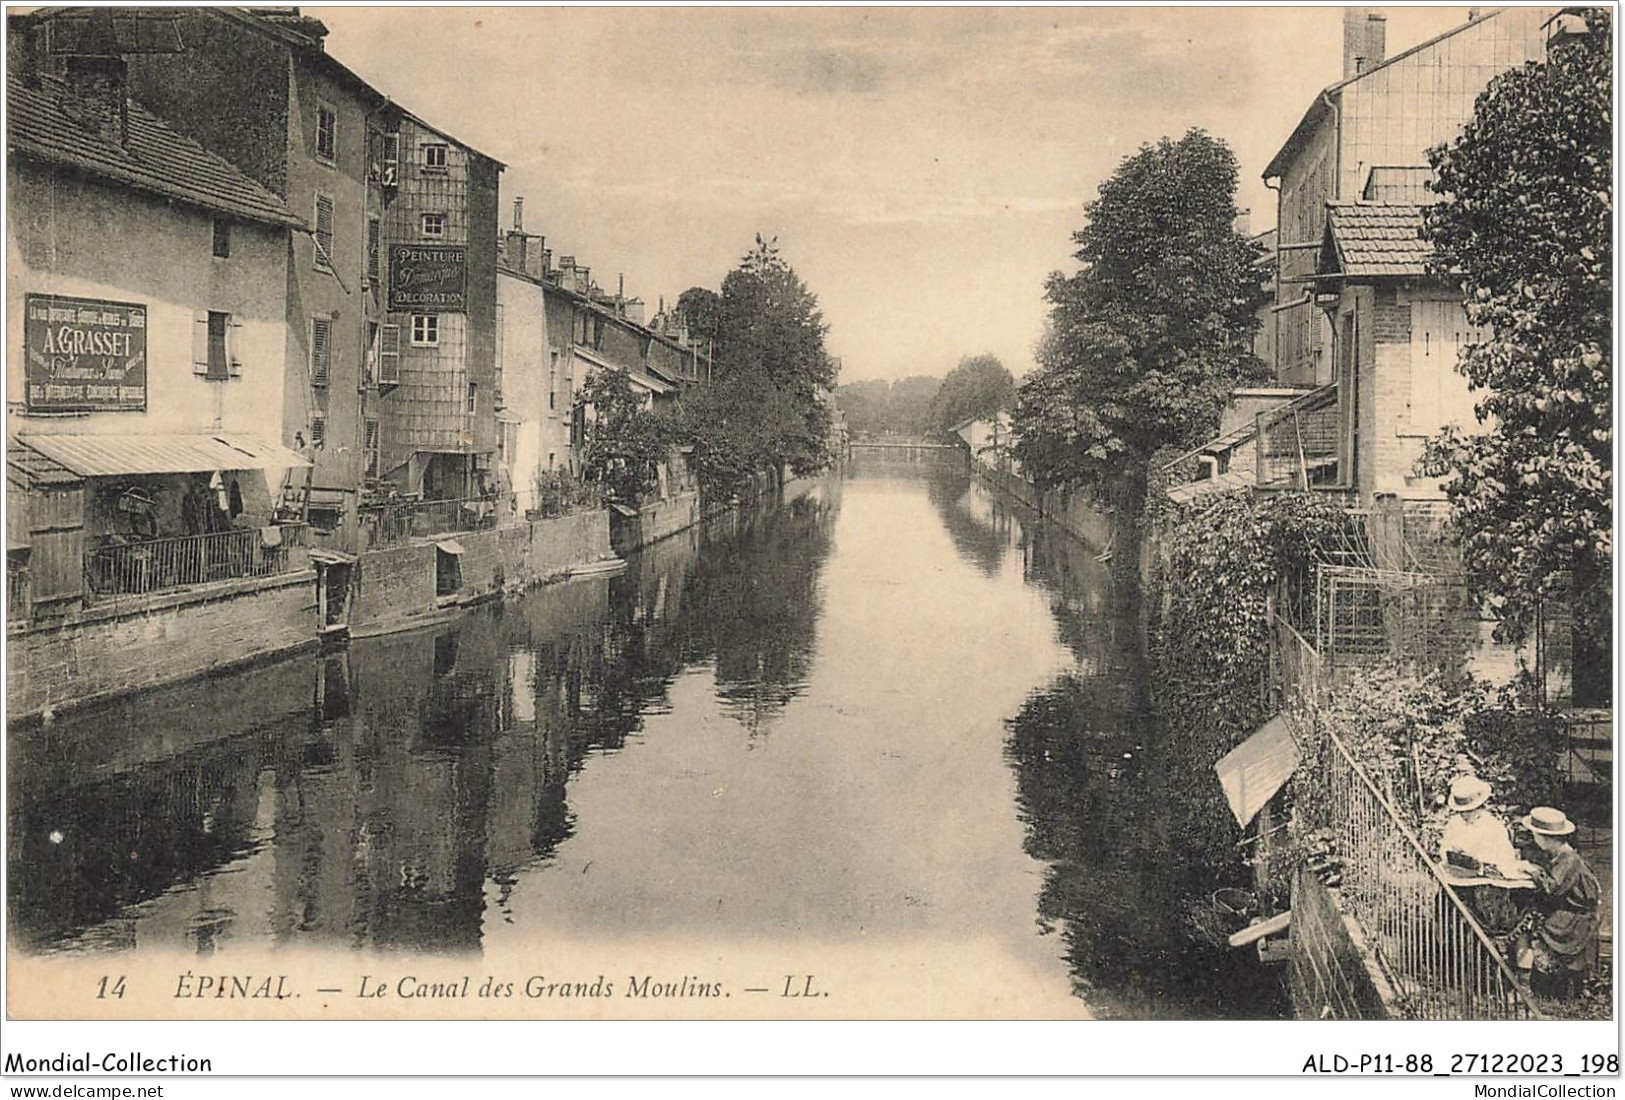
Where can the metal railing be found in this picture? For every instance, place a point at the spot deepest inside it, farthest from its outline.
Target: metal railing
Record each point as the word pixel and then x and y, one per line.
pixel 152 565
pixel 1588 746
pixel 1301 444
pixel 1442 963
pixel 396 522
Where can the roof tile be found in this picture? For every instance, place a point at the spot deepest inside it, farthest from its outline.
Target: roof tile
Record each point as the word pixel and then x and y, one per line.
pixel 155 158
pixel 1379 239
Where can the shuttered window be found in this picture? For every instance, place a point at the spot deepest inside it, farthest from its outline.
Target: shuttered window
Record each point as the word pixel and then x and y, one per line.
pixel 389 354
pixel 374 249
pixel 324 233
pixel 321 350
pixel 318 431
pixel 370 447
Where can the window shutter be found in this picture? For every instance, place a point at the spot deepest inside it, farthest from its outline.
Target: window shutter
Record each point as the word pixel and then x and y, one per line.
pixel 324 233
pixel 389 354
pixel 374 248
pixel 200 342
pixel 318 431
pixel 321 350
pixel 234 345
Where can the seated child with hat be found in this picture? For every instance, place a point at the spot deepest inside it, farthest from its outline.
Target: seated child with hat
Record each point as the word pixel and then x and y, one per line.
pixel 1560 941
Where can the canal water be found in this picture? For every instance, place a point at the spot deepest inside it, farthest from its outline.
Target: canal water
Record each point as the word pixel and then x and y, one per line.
pixel 889 709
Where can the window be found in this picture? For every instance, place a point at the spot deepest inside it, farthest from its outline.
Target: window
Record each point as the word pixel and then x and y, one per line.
pixel 552 380
pixel 214 345
pixel 370 447
pixel 434 157
pixel 327 132
pixel 389 157
pixel 324 233
pixel 425 330
pixel 321 350
pixel 374 250
pixel 318 431
pixel 222 238
pixel 473 396
pixel 434 225
pixel 389 355
pixel 217 347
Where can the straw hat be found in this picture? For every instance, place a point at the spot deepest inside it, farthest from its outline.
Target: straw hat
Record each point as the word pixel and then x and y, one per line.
pixel 1548 822
pixel 1468 792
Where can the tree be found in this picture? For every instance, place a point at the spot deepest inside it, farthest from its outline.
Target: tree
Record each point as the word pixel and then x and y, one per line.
pixel 697 306
pixel 1526 226
pixel 1147 340
pixel 625 441
pixel 768 407
pixel 979 386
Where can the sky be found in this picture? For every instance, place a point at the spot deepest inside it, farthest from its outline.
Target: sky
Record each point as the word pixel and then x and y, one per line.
pixel 923 169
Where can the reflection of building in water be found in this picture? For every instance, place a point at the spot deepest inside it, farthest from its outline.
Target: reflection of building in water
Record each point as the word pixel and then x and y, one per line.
pixel 389 795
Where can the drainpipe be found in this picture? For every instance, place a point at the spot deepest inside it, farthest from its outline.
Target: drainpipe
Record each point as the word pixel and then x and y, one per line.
pixel 1337 144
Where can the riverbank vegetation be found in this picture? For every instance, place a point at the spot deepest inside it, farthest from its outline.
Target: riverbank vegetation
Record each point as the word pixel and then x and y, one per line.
pixel 768 406
pixel 1146 341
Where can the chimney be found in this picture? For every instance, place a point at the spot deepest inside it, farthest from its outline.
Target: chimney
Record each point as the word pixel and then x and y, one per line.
pixel 514 251
pixel 536 259
pixel 519 214
pixel 1473 14
pixel 95 97
pixel 1354 41
pixel 1376 41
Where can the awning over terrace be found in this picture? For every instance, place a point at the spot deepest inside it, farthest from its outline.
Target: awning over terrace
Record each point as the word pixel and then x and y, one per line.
pixel 113 455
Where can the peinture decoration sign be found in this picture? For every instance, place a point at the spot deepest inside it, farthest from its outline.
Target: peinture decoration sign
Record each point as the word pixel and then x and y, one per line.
pixel 427 277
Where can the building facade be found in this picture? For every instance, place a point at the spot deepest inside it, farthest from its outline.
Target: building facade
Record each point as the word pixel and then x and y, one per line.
pixel 146 316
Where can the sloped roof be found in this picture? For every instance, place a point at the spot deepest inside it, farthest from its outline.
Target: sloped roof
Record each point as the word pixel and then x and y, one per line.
pixel 1320 106
pixel 1254 770
pixel 155 159
pixel 1376 239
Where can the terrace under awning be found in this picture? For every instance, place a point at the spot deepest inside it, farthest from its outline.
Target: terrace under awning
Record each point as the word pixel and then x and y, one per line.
pixel 114 455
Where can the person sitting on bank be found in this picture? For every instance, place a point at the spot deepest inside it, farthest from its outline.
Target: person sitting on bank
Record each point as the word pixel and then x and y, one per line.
pixel 1474 839
pixel 1559 942
pixel 1475 844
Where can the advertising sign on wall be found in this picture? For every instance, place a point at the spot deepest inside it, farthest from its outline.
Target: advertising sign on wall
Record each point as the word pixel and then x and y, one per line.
pixel 428 277
pixel 84 355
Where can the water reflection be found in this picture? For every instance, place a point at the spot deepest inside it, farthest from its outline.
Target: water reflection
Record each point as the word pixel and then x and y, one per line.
pixel 422 765
pixel 894 705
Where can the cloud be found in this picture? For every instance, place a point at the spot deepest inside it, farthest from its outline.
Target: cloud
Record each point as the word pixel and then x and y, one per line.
pixel 832 72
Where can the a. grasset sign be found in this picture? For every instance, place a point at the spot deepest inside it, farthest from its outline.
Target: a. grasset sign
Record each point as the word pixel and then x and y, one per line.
pixel 84 355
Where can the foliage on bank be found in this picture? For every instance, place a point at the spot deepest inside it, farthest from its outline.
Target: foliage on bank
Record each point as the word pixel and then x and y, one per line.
pixel 1526 225
pixel 625 441
pixel 769 405
pixel 1412 734
pixel 1210 642
pixel 1147 340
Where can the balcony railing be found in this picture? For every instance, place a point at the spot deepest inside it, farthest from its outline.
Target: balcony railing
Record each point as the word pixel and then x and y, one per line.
pixel 396 522
pixel 135 568
pixel 1301 444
